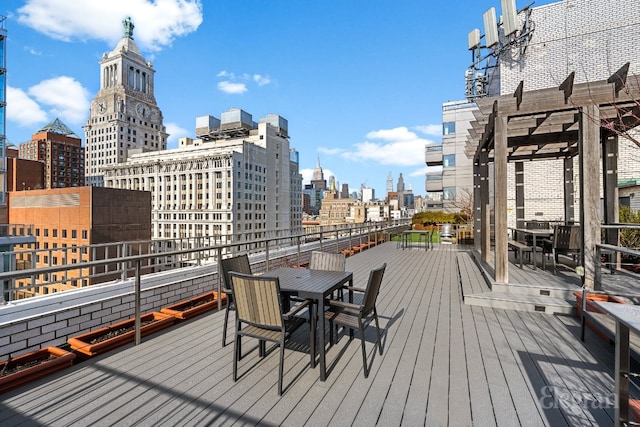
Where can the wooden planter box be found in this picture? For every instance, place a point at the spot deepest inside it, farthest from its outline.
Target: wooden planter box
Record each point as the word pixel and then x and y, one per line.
pixel 194 306
pixel 591 307
pixel 51 359
pixel 82 343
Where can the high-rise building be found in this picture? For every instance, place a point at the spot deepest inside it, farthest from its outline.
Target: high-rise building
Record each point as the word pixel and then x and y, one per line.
pixel 61 151
pixel 3 113
pixel 240 180
pixel 389 183
pixel 124 117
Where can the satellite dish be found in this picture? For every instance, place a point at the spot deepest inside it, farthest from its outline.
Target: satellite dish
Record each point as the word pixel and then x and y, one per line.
pixel 509 16
pixel 490 27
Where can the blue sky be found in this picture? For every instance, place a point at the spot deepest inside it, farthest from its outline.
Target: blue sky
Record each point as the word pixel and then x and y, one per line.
pixel 361 83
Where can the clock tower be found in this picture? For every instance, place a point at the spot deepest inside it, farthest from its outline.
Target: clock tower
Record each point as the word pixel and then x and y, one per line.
pixel 124 117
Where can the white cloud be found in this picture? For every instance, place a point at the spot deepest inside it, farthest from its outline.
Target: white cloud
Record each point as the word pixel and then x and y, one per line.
pixel 23 110
pixel 65 97
pixel 397 146
pixel 261 80
pixel 330 151
pixel 226 74
pixel 157 23
pixel 232 88
pixel 175 132
pixel 433 129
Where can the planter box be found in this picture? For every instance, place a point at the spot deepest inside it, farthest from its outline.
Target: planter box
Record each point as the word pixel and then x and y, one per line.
pixel 591 307
pixel 82 343
pixel 194 306
pixel 51 359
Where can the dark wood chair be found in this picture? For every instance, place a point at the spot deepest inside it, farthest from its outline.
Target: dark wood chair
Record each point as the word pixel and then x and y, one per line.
pixel 358 316
pixel 566 241
pixel 239 264
pixel 259 315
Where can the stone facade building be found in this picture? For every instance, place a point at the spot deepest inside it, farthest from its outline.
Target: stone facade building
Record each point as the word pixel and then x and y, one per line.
pixel 124 116
pixel 240 180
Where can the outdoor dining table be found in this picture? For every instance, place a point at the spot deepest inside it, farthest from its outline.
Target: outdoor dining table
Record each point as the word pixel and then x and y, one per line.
pixel 535 233
pixel 315 285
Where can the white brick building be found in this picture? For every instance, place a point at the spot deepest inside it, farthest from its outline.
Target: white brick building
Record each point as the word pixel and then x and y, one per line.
pixel 240 179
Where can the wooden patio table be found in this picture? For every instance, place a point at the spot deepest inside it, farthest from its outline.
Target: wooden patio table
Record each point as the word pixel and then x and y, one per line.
pixel 315 285
pixel 535 233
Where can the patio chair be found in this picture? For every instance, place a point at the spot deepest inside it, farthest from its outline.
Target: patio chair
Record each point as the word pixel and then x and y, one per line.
pixel 566 241
pixel 239 264
pixel 328 261
pixel 259 310
pixel 358 316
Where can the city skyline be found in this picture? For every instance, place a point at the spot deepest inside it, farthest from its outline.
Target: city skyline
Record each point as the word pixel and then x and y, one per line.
pixel 361 87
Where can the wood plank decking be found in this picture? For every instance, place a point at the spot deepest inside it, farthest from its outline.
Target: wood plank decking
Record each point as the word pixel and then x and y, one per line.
pixel 444 363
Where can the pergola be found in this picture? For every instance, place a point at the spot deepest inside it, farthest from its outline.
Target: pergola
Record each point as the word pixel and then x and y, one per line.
pixel 583 120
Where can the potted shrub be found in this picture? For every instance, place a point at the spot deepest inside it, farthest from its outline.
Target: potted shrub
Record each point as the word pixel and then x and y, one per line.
pixel 104 339
pixel 31 366
pixel 194 306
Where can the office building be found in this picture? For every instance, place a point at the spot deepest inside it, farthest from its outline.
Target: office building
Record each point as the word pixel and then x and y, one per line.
pixel 61 152
pixel 239 180
pixel 66 220
pixel 124 117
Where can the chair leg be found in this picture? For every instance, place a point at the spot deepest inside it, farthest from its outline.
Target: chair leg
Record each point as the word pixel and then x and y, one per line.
pixel 236 357
pixel 375 316
pixel 331 337
pixel 364 350
pixel 226 322
pixel 262 348
pixel 281 369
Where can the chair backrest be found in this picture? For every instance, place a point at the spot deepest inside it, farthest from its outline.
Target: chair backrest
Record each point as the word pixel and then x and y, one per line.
pixel 566 237
pixel 327 261
pixel 257 300
pixel 239 264
pixel 373 287
pixel 538 225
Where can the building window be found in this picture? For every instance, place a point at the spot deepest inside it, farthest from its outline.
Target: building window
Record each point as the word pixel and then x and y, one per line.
pixel 449 128
pixel 449 193
pixel 449 161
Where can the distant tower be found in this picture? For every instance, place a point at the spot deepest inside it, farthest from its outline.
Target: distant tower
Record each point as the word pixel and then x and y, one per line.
pixel 400 183
pixel 318 178
pixel 124 117
pixel 389 183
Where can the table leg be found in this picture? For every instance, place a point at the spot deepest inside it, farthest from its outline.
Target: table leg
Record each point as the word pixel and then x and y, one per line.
pixel 313 316
pixel 323 371
pixel 533 251
pixel 622 369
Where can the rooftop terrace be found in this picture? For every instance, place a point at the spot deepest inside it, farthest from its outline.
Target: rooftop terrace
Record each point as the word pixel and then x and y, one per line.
pixel 444 363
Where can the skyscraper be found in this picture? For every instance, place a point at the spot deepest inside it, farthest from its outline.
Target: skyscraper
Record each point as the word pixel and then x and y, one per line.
pixel 3 138
pixel 124 118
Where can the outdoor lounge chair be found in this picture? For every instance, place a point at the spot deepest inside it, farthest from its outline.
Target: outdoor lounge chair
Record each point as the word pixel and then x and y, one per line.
pixel 259 315
pixel 358 316
pixel 239 264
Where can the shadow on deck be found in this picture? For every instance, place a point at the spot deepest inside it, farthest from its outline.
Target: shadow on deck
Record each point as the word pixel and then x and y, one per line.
pixel 444 363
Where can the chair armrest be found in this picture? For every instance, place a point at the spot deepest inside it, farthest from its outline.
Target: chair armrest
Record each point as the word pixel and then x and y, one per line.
pixel 353 288
pixel 296 309
pixel 225 290
pixel 345 305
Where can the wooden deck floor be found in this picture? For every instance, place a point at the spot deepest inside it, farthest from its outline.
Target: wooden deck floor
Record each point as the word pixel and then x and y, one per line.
pixel 444 363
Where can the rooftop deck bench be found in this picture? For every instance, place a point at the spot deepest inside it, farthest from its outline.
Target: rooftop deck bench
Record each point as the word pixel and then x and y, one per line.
pixel 519 248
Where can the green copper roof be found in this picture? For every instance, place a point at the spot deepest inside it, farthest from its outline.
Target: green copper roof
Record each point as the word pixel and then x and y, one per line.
pixel 60 128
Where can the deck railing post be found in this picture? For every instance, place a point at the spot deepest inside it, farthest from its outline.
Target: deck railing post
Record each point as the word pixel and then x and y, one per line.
pixel 137 302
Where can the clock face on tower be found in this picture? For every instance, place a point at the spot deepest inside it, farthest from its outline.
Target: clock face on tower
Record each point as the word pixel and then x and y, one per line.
pixel 102 107
pixel 142 110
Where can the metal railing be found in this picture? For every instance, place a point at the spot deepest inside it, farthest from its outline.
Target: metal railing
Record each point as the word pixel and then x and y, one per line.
pixel 124 260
